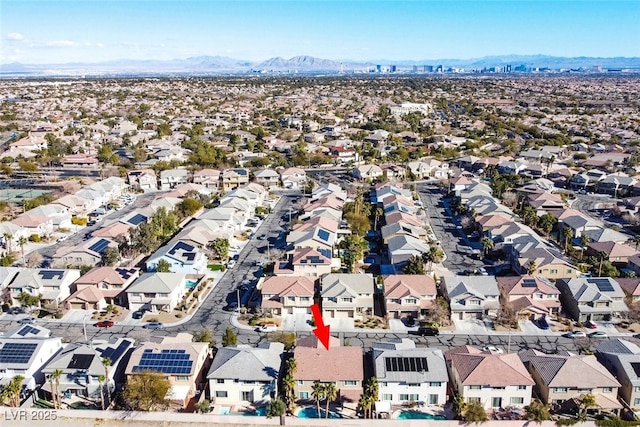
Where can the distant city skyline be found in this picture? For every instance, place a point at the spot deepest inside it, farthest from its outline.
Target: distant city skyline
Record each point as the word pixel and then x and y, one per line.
pixel 50 31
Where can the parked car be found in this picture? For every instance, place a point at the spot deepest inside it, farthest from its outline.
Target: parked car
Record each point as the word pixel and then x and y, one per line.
pixel 61 239
pixel 268 327
pixel 542 323
pixel 481 271
pixel 492 349
pixel 575 334
pixel 154 325
pixel 598 334
pixel 15 310
pixel 410 321
pixel 105 324
pixel 262 237
pixel 138 314
pixel 259 263
pixel 427 332
pixel 589 324
pixel 231 263
pixel 27 321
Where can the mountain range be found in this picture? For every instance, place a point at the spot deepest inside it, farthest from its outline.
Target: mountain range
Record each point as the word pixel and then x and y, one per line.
pixel 219 65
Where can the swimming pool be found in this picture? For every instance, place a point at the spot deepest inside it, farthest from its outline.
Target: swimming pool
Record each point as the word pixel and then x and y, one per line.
pixel 418 415
pixel 225 410
pixel 312 412
pixel 260 411
pixel 190 284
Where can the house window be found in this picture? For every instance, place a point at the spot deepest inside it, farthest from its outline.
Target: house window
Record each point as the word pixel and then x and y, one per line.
pixel 475 387
pixel 473 399
pixel 182 378
pixel 474 302
pixel 636 402
pixel 247 396
pixel 433 399
pixel 409 397
pixel 350 382
pixel 560 390
pixel 387 397
pixel 522 387
pixel 569 270
pixel 414 384
pixel 607 389
pixel 411 301
pixel 220 381
pixel 554 271
pixel 291 299
pixel 346 299
pixel 221 393
pixel 304 395
pixel 434 384
pixel 300 382
pixel 517 400
pixel 636 389
pixel 304 299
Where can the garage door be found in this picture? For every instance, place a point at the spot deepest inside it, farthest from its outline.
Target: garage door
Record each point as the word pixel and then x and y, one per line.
pixel 77 306
pixel 342 314
pixel 300 310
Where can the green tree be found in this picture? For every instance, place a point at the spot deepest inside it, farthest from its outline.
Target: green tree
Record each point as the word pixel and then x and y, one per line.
pixel 330 394
pixel 27 166
pixel 143 238
pixel 487 245
pixel 11 392
pixel 546 223
pixel 146 391
pixel 636 240
pixel 414 266
pixel 289 382
pixel 584 242
pixel 317 392
pixel 377 214
pixel 56 374
pixel 27 300
pixel 110 256
pixel 354 247
pixel 358 223
pixel 164 223
pixel 204 335
pixel 229 337
pixel 458 405
pixel 531 267
pixel 22 241
pixel 188 207
pixel 586 401
pixel 163 266
pixel 474 413
pixel 106 364
pixel 568 235
pixel 537 412
pixel 203 407
pixel 220 248
pixel 276 408
pixel 101 380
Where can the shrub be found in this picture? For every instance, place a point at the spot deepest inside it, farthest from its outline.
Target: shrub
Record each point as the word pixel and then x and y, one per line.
pixel 34 238
pixel 152 319
pixel 79 221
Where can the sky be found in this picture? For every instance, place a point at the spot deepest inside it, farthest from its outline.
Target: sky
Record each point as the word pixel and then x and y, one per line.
pixel 55 31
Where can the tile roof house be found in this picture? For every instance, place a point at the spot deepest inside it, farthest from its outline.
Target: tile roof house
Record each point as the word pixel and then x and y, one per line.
pixel 144 179
pixel 347 371
pixel 402 229
pixel 234 178
pixel 621 358
pixel 293 178
pixel 179 360
pixel 403 247
pixel 494 380
pixel 347 295
pixel 181 256
pixel 363 172
pixel 170 178
pixel 306 262
pixel 319 233
pixel 560 378
pixel 408 374
pixel 89 253
pixel 591 298
pixel 471 297
pixel 631 287
pixel 408 295
pixel 210 178
pixel 157 291
pixel 52 285
pixel 101 286
pixel 616 253
pixel 242 375
pixel 529 295
pixel 267 177
pixel 287 294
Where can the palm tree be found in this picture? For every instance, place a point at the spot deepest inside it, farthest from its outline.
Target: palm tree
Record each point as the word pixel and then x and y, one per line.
pixel 317 392
pixel 330 394
pixel 537 412
pixel 8 238
pixel 101 380
pixel 458 405
pixel 568 235
pixel 56 376
pixel 584 241
pixel 12 391
pixel 636 240
pixel 602 255
pixel 487 244
pixel 365 403
pixel 288 383
pixel 22 241
pixel 586 401
pixel 106 362
pixel 531 267
pixel 53 395
pixel 376 216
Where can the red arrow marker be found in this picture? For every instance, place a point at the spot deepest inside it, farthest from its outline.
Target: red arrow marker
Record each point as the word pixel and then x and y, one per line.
pixel 321 331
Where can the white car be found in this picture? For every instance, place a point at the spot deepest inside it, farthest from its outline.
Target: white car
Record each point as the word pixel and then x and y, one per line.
pixel 61 239
pixel 492 349
pixel 269 327
pixel 231 263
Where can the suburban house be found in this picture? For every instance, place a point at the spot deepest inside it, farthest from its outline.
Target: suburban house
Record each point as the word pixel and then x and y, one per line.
pixel 529 295
pixel 403 247
pixel 319 233
pixel 81 366
pixel 402 229
pixel 101 286
pixel 157 291
pixel 618 185
pixel 407 374
pixel 267 178
pixel 560 378
pixel 306 262
pixel 181 257
pixel 494 380
pixel 347 295
pixel 363 172
pixel 591 298
pixel 30 225
pixel 209 178
pixel 181 361
pixel 242 375
pixel 25 352
pixel 53 286
pixel 471 297
pixel 144 179
pixel 89 253
pixel 287 294
pixel 234 178
pixel 294 178
pixel 617 253
pixel 620 357
pixel 171 178
pixel 408 295
pixel 346 370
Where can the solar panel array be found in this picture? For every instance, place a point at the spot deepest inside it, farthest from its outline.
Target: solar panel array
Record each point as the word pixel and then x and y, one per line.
pixel 80 361
pixel 636 368
pixel 529 283
pixel 116 353
pixel 51 274
pixel 181 246
pixel 603 285
pixel 18 353
pixel 323 235
pixel 125 273
pixel 137 219
pixel 26 329
pixel 406 364
pixel 100 246
pixel 173 362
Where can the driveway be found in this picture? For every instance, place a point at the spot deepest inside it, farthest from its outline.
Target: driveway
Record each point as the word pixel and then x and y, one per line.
pixel 528 328
pixel 470 327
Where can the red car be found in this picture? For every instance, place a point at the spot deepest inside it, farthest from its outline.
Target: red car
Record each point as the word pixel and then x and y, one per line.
pixel 589 324
pixel 104 324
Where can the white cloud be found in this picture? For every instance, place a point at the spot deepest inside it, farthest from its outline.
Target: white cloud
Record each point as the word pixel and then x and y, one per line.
pixel 100 45
pixel 61 43
pixel 15 36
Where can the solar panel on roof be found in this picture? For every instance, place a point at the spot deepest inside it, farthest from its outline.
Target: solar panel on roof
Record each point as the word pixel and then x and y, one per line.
pixel 100 246
pixel 181 246
pixel 406 364
pixel 116 353
pixel 137 219
pixel 81 361
pixel 636 368
pixel 173 362
pixel 529 283
pixel 17 353
pixel 26 329
pixel 603 285
pixel 190 256
pixel 323 235
pixel 50 274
